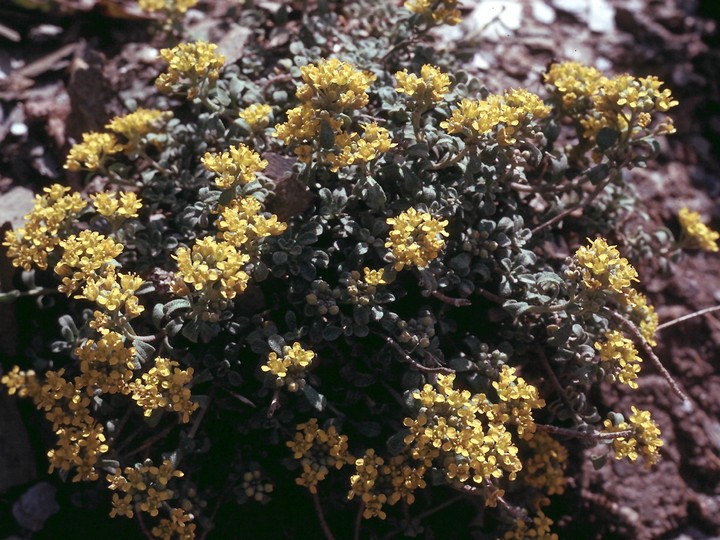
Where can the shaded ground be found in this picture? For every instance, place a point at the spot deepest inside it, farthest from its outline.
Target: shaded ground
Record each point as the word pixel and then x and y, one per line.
pixel 63 75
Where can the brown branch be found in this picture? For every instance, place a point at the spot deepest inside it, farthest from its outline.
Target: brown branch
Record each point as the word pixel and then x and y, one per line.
pixel 152 440
pixel 414 363
pixel 558 387
pixel 638 338
pixel 688 316
pixel 490 296
pixel 358 520
pixel 321 517
pixel 456 302
pixel 575 434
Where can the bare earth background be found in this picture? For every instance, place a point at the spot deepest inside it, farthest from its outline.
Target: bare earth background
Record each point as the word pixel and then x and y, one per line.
pixel 61 75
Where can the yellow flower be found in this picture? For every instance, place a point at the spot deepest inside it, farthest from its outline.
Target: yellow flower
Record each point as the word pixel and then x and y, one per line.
pixel 604 269
pixel 416 238
pixel 165 386
pixel 333 85
pixel 239 165
pixel 643 314
pixel 83 256
pixel 216 268
pixel 191 65
pixel 257 116
pixel 91 153
pixel 545 467
pixel 695 232
pixel 374 277
pixel 242 225
pixel 167 6
pixel 114 292
pixel 619 357
pixel 644 439
pixel 117 206
pixel 44 227
pixel 440 12
pixel 134 126
pixel 289 369
pixel 428 89
pixel 575 84
pixel 106 365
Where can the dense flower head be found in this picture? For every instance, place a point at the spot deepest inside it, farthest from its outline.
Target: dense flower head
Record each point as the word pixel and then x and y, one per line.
pixel 42 232
pixel 165 386
pixel 24 383
pixel 517 400
pixel 255 486
pixel 643 314
pixel 512 114
pixel 106 365
pixel 178 526
pixel 92 152
pixel 575 84
pixel 239 165
pixel 416 238
pixel 334 85
pixel 215 268
pixel 242 224
pixel 461 433
pixel 353 148
pixel 696 233
pixel 438 11
pixel 378 481
pixel 627 104
pixel 290 368
pixel 374 277
pixel 117 206
pixel 318 451
pixel 539 529
pixel 135 125
pixel 644 439
pixel 83 256
pixel 257 116
pixel 167 6
pixel 619 357
pixel 79 448
pixel 426 90
pixel 603 268
pixel 545 467
pixel 192 64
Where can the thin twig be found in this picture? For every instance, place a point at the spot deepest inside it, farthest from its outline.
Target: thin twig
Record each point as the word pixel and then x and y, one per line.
pixel 557 385
pixel 630 327
pixel 274 403
pixel 429 512
pixel 201 415
pixel 580 204
pixel 414 363
pixel 456 302
pixel 321 516
pixel 358 520
pixel 687 317
pixel 152 440
pixel 143 527
pixel 490 296
pixel 240 398
pixel 575 434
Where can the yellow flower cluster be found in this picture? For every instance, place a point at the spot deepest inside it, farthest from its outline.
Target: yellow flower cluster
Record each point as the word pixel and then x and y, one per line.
pixel 642 314
pixel 143 488
pixel 136 125
pixel 190 66
pixel 165 386
pixel 178 526
pixel 643 441
pixel 603 269
pixel 290 368
pixel 91 153
pixel 167 6
pixel 52 214
pixel 461 433
pixel 511 114
pixel 539 529
pixel 437 11
pixel 426 90
pixel 80 439
pixel 374 277
pixel 624 103
pixel 416 238
pixel 117 207
pixel 377 483
pixel 619 358
pixel 106 365
pixel 318 450
pixel 545 468
pixel 695 233
pixel 575 84
pixel 238 166
pixel 517 400
pixel 212 268
pixel 83 256
pixel 257 116
pixel 335 86
pixel 329 88
pixel 242 225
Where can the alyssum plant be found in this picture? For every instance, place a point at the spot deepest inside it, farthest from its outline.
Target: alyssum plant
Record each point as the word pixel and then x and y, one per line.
pixel 340 268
